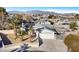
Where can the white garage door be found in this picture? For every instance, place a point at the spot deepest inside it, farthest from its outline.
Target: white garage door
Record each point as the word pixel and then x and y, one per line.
pixel 47 35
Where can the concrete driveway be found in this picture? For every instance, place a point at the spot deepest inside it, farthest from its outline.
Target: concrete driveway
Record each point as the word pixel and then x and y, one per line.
pixel 51 46
pixel 48 45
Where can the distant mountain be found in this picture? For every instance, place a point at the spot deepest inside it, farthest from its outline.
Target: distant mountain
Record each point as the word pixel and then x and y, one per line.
pixel 33 12
pixel 14 12
pixel 42 12
pixel 50 13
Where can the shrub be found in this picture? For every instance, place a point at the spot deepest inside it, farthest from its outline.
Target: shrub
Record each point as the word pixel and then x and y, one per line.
pixel 72 42
pixel 73 25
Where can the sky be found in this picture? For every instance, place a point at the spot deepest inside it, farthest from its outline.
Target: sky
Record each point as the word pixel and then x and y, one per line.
pixel 54 9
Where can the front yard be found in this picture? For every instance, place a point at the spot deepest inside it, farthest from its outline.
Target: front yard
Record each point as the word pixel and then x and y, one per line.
pixel 11 36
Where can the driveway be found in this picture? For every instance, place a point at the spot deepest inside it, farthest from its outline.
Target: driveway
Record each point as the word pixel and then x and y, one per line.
pixel 46 45
pixel 51 46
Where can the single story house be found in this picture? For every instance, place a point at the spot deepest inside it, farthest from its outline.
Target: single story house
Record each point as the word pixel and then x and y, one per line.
pixel 43 32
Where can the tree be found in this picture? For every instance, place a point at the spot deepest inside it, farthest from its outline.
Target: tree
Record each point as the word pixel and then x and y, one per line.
pixel 2 15
pixel 51 16
pixel 27 18
pixel 30 32
pixel 21 33
pixel 2 9
pixel 77 16
pixel 15 22
pixel 73 25
pixel 72 42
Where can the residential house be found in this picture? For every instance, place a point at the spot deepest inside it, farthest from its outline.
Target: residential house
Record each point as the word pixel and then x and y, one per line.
pixel 44 30
pixel 47 34
pixel 62 24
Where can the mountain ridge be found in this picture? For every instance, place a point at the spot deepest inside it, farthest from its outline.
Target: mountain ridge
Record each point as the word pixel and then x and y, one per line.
pixel 41 12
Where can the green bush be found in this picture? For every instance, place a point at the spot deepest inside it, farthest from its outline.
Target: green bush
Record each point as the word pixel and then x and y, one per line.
pixel 73 25
pixel 21 32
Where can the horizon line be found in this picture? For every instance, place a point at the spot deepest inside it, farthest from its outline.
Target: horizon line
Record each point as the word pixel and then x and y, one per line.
pixel 50 9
